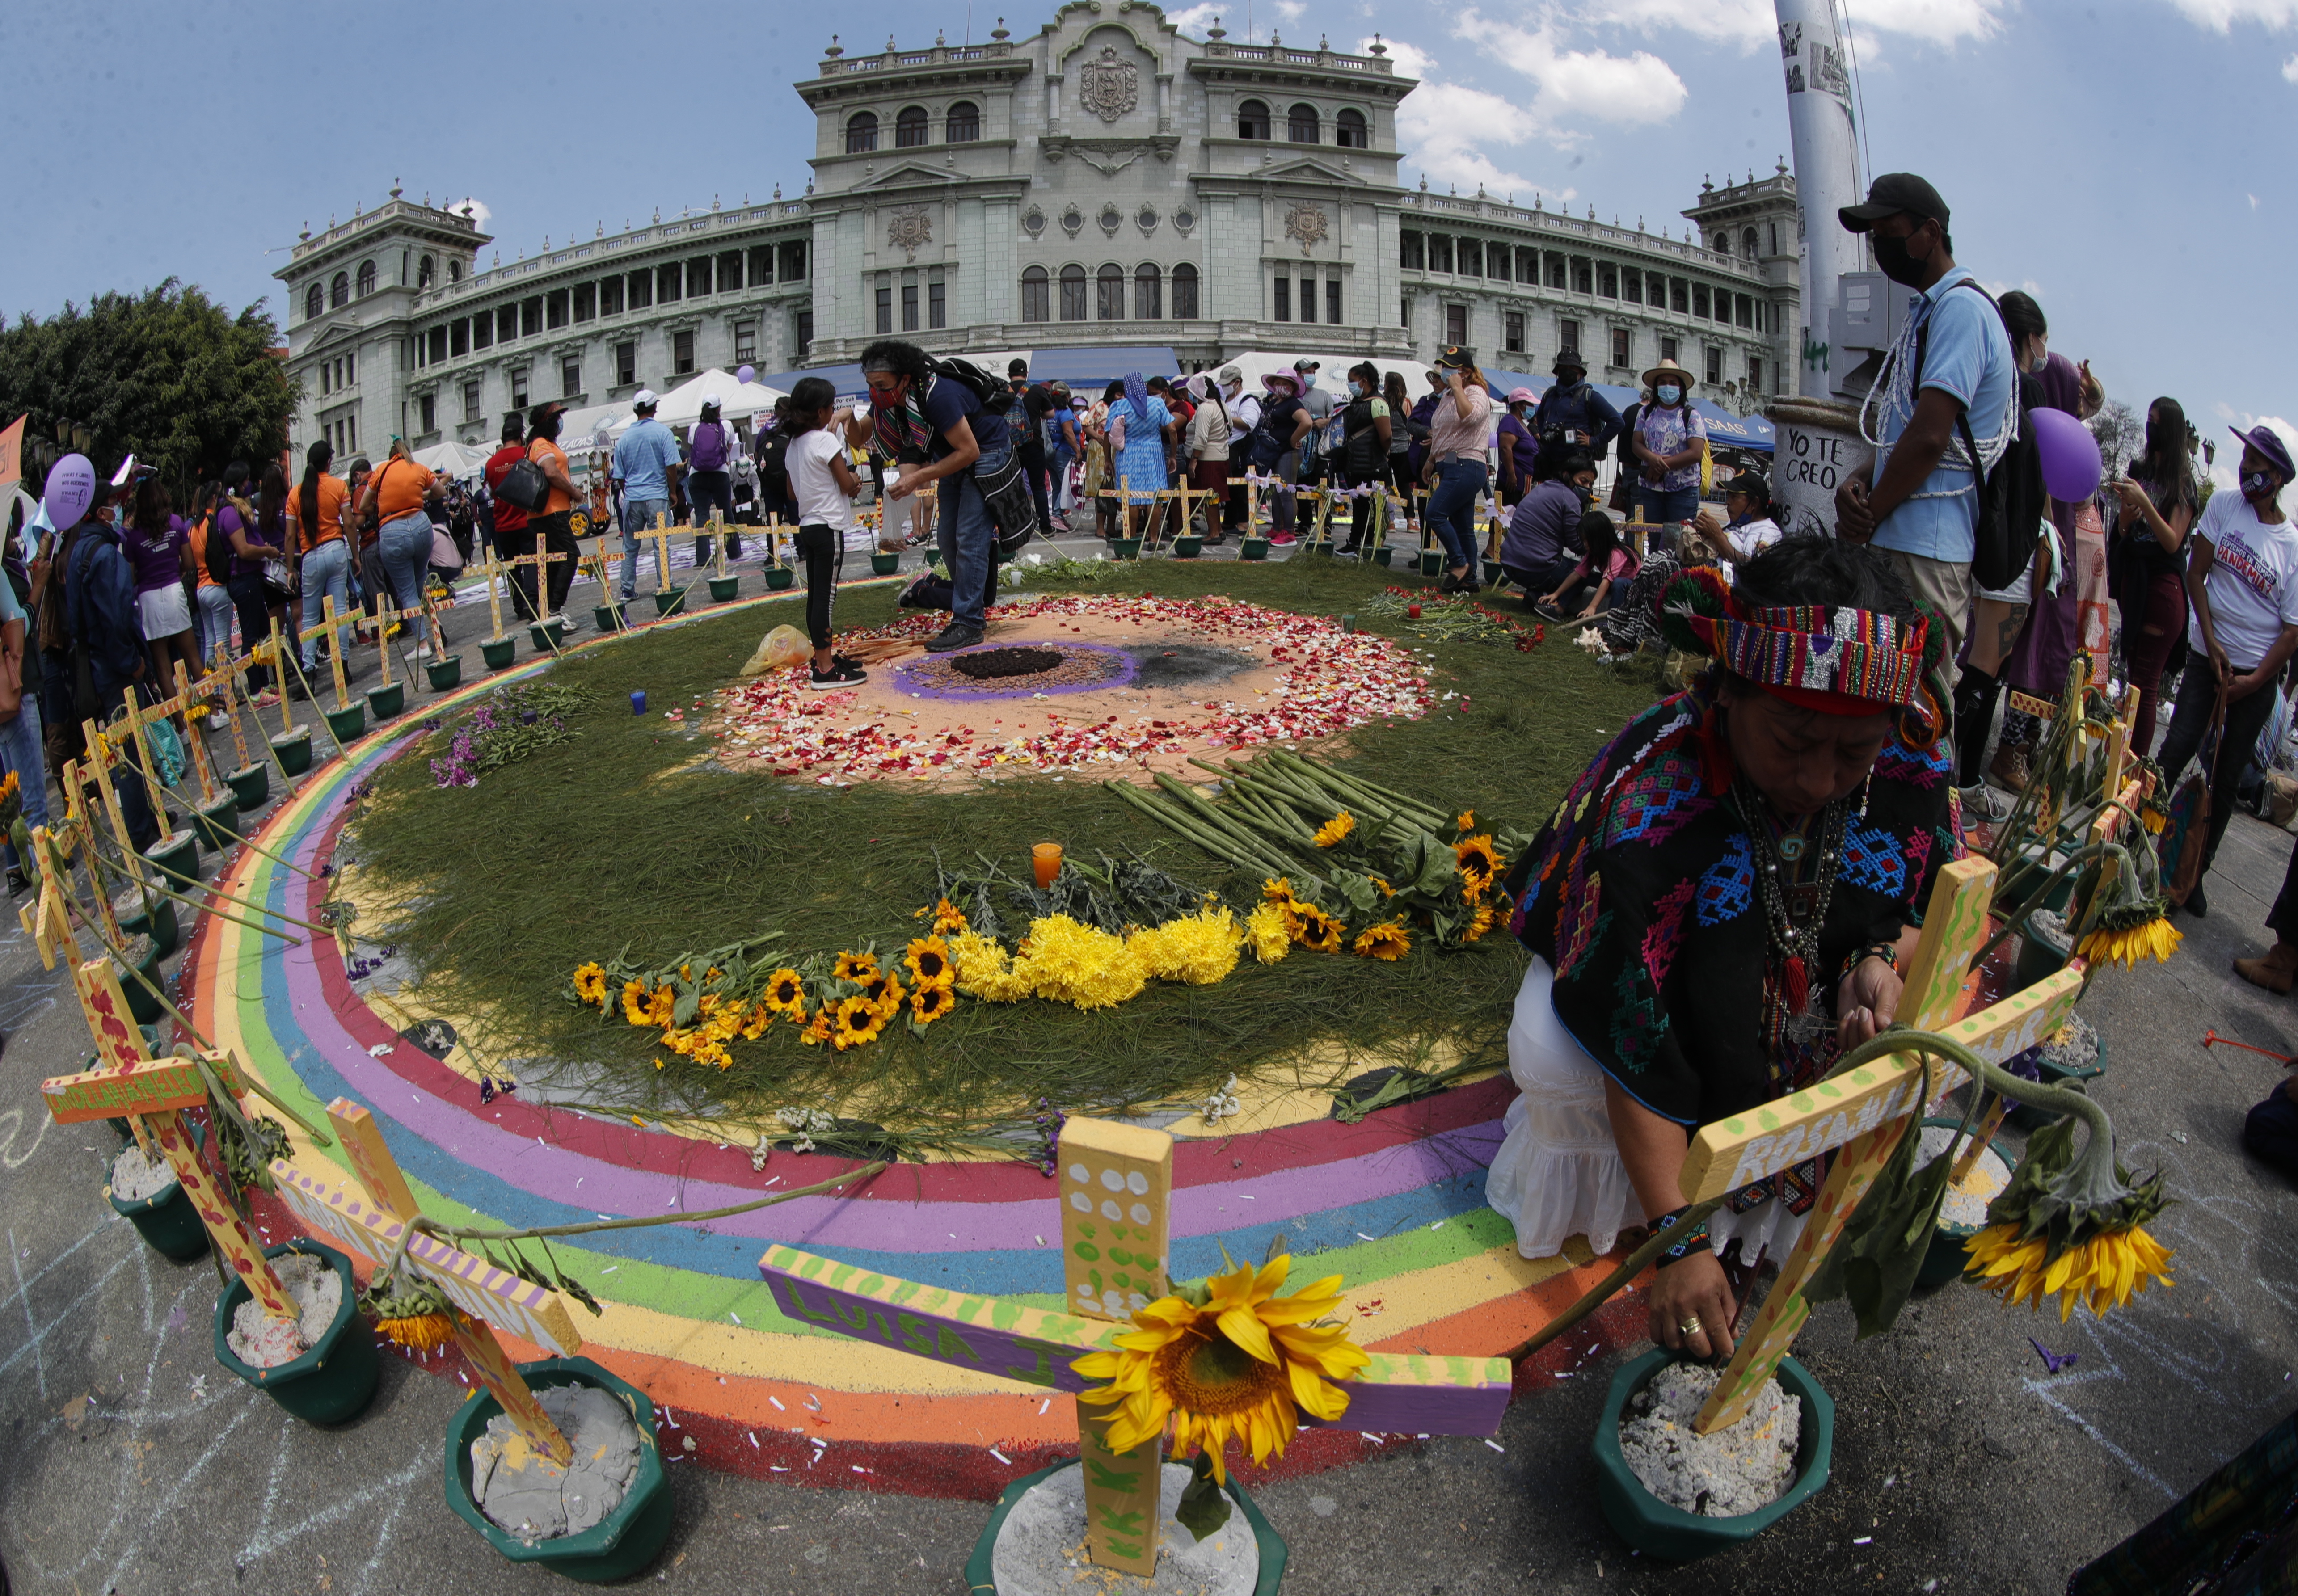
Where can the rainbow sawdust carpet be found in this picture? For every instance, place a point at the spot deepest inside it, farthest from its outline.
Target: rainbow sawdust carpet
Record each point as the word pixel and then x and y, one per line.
pixel 1396 1204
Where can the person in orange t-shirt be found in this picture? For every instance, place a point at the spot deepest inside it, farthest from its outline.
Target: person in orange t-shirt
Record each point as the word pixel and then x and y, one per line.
pixel 323 558
pixel 551 530
pixel 397 494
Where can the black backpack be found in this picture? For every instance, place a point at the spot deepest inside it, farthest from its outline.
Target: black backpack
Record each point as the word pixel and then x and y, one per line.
pixel 774 461
pixel 2012 498
pixel 1362 452
pixel 992 393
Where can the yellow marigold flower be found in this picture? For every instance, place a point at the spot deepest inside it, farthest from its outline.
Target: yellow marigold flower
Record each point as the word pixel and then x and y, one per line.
pixel 983 969
pixel 1317 931
pixel 634 1002
pixel 1063 961
pixel 2107 1270
pixel 682 1042
pixel 1266 930
pixel 927 961
pixel 858 1020
pixel 785 993
pixel 948 917
pixel 420 1332
pixel 1278 892
pixel 929 1004
pixel 1388 942
pixel 2156 940
pixel 714 1053
pixel 1242 1365
pixel 761 1016
pixel 1335 831
pixel 1199 950
pixel 856 967
pixel 1478 862
pixel 817 1030
pixel 589 979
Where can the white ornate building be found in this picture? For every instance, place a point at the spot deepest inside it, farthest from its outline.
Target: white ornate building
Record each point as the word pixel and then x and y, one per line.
pixel 1107 181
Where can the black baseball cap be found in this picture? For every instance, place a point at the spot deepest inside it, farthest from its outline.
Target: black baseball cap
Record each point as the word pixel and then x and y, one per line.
pixel 1017 368
pixel 1456 357
pixel 1889 195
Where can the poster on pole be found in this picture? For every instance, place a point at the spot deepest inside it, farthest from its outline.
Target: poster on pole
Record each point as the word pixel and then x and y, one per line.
pixel 11 452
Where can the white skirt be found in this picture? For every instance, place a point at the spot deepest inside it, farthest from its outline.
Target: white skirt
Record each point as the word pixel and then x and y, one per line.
pixel 1558 1172
pixel 164 612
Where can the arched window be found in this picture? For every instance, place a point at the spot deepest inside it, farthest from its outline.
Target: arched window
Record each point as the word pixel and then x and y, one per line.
pixel 1072 293
pixel 963 125
pixel 1302 126
pixel 454 271
pixel 1185 292
pixel 1109 295
pixel 1351 131
pixel 339 292
pixel 365 278
pixel 1747 244
pixel 425 270
pixel 315 301
pixel 1722 245
pixel 1148 293
pixel 1253 119
pixel 861 133
pixel 910 127
pixel 1037 295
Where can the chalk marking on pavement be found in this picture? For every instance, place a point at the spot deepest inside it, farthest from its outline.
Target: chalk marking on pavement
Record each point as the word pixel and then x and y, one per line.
pixel 2043 1388
pixel 263 1544
pixel 40 1335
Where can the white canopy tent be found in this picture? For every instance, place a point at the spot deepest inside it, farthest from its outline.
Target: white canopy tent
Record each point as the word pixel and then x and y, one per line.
pixel 682 405
pixel 452 460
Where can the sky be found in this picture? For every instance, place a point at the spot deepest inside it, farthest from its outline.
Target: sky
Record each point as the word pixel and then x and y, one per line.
pixel 2111 159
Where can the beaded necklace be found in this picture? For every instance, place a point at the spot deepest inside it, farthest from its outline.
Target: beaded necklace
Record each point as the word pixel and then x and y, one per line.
pixel 1795 907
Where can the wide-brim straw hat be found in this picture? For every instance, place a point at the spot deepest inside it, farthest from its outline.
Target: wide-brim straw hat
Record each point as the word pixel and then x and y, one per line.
pixel 1667 369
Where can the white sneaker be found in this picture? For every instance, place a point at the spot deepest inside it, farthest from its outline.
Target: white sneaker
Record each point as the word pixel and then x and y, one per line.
pixel 1982 802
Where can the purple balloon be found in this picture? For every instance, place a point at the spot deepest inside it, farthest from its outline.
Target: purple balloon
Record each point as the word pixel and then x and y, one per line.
pixel 2071 463
pixel 747 373
pixel 72 489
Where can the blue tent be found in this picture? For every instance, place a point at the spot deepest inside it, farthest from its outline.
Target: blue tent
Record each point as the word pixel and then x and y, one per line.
pixel 1090 370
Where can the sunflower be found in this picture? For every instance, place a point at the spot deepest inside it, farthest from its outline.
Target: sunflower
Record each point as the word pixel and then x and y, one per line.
pixel 634 1002
pixel 1266 930
pixel 1277 891
pixel 2155 819
pixel 1241 1362
pixel 817 1030
pixel 948 917
pixel 1485 914
pixel 1335 831
pixel 927 961
pixel 2142 933
pixel 858 1020
pixel 590 981
pixel 1479 863
pixel 929 1004
pixel 883 992
pixel 1388 941
pixel 856 967
pixel 1464 821
pixel 2108 1269
pixel 416 1314
pixel 1317 931
pixel 661 1006
pixel 785 993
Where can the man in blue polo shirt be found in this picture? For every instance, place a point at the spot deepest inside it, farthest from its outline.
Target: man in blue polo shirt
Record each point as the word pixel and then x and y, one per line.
pixel 647 462
pixel 1920 500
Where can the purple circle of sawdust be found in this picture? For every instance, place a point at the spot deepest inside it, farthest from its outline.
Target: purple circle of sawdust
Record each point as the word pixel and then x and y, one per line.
pixel 907 676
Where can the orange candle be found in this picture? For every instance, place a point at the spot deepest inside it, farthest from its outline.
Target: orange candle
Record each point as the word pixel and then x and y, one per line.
pixel 1046 858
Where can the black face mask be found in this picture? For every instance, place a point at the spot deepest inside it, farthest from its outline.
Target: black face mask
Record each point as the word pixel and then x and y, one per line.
pixel 1891 257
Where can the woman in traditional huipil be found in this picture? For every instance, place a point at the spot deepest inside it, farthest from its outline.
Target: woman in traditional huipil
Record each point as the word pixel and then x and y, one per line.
pixel 1719 907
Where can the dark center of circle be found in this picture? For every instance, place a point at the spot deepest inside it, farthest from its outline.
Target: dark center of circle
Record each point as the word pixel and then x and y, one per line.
pixel 991 663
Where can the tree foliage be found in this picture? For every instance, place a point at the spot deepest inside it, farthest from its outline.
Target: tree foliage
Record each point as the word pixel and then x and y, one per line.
pixel 168 375
pixel 2121 434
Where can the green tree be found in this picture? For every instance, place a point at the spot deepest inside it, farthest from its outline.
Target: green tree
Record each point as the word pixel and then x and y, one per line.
pixel 167 375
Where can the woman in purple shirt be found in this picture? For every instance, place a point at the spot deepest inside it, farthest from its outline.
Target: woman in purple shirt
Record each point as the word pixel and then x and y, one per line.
pixel 160 549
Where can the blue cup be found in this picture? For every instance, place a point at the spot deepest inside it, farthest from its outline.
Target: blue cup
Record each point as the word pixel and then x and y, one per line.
pixel 638 703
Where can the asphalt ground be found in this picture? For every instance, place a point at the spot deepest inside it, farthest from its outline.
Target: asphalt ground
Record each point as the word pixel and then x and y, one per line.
pixel 134 1463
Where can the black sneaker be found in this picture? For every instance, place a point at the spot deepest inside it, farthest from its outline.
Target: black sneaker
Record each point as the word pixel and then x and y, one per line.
pixel 956 635
pixel 842 673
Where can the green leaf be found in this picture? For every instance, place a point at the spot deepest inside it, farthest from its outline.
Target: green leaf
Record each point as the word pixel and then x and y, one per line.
pixel 1204 1507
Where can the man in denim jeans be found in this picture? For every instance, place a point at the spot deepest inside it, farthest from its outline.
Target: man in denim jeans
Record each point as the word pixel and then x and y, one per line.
pixel 911 408
pixel 646 462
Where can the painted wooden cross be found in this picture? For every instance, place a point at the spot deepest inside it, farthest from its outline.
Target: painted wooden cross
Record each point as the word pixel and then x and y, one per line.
pixel 370 1213
pixel 226 677
pixel 660 538
pixel 196 737
pixel 1864 1112
pixel 335 650
pixel 606 590
pixel 1115 1194
pixel 279 669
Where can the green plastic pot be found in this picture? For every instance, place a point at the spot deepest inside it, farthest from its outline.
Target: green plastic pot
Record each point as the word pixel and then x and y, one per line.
pixel 608 617
pixel 445 673
pixel 168 1223
pixel 143 1004
pixel 1189 546
pixel 1659 1531
pixel 1381 555
pixel 250 788
pixel 348 724
pixel 547 638
pixel 1253 549
pixel 1944 1259
pixel 723 588
pixel 384 702
pixel 780 577
pixel 215 825
pixel 1125 548
pixel 293 752
pixel 669 600
pixel 981 1574
pixel 1432 562
pixel 176 857
pixel 933 554
pixel 498 651
pixel 159 924
pixel 2027 1116
pixel 2040 957
pixel 618 1545
pixel 883 564
pixel 335 1381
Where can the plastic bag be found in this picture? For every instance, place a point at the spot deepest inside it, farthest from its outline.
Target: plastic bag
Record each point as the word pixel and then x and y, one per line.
pixel 784 647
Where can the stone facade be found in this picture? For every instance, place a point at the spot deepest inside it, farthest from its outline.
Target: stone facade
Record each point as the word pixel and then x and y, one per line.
pixel 1105 181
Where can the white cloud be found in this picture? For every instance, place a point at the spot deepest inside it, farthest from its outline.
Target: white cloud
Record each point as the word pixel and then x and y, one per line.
pixel 2290 70
pixel 1746 23
pixel 1443 127
pixel 1571 87
pixel 1292 10
pixel 1196 18
pixel 2221 15
pixel 1934 22
pixel 2227 465
pixel 2254 201
pixel 481 211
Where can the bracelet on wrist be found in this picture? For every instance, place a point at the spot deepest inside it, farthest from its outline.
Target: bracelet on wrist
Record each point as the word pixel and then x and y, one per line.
pixel 1889 952
pixel 1683 1249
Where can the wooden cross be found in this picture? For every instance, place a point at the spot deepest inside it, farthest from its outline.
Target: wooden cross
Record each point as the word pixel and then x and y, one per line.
pixel 1116 1188
pixel 99 756
pixel 1864 1113
pixel 226 677
pixel 370 1215
pixel 335 650
pixel 607 592
pixel 279 669
pixel 492 569
pixel 194 736
pixel 660 538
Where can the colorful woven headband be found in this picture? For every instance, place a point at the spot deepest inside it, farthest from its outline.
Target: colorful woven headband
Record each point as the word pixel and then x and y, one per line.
pixel 1833 658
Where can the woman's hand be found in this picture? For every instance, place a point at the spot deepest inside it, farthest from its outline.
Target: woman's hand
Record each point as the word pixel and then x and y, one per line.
pixel 1691 1307
pixel 2134 498
pixel 1866 1002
